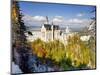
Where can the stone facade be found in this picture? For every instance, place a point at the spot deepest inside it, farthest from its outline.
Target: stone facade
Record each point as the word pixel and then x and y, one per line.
pixel 49 32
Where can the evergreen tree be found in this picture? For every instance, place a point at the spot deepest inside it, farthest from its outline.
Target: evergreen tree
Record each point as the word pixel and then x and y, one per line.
pixel 19 41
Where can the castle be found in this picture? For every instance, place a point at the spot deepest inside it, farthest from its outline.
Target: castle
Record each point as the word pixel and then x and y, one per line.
pixel 49 32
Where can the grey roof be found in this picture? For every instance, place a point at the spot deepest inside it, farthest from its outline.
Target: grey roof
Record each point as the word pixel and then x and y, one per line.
pixel 56 27
pixel 48 27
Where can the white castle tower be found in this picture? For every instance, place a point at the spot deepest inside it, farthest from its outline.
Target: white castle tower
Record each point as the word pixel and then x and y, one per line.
pixel 67 29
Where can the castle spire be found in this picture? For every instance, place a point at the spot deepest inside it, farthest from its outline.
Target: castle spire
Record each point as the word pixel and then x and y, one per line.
pixel 47 21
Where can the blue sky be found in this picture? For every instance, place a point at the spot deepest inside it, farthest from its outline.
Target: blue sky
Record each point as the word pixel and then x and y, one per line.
pixel 65 13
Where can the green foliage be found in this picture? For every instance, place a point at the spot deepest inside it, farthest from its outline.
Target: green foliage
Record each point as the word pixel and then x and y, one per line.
pixel 76 54
pixel 66 64
pixel 53 50
pixel 38 48
pixel 78 51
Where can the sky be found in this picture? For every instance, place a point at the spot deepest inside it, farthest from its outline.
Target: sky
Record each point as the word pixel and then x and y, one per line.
pixel 76 16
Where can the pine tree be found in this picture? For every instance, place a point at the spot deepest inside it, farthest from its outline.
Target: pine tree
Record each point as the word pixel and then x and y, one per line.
pixel 19 42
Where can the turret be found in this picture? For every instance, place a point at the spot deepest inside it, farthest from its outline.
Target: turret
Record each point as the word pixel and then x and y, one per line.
pixel 67 30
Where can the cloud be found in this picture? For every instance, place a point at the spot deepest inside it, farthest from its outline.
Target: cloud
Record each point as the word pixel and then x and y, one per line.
pixel 75 20
pixel 33 20
pixel 28 20
pixel 59 17
pixel 80 15
pixel 39 18
pixel 57 20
